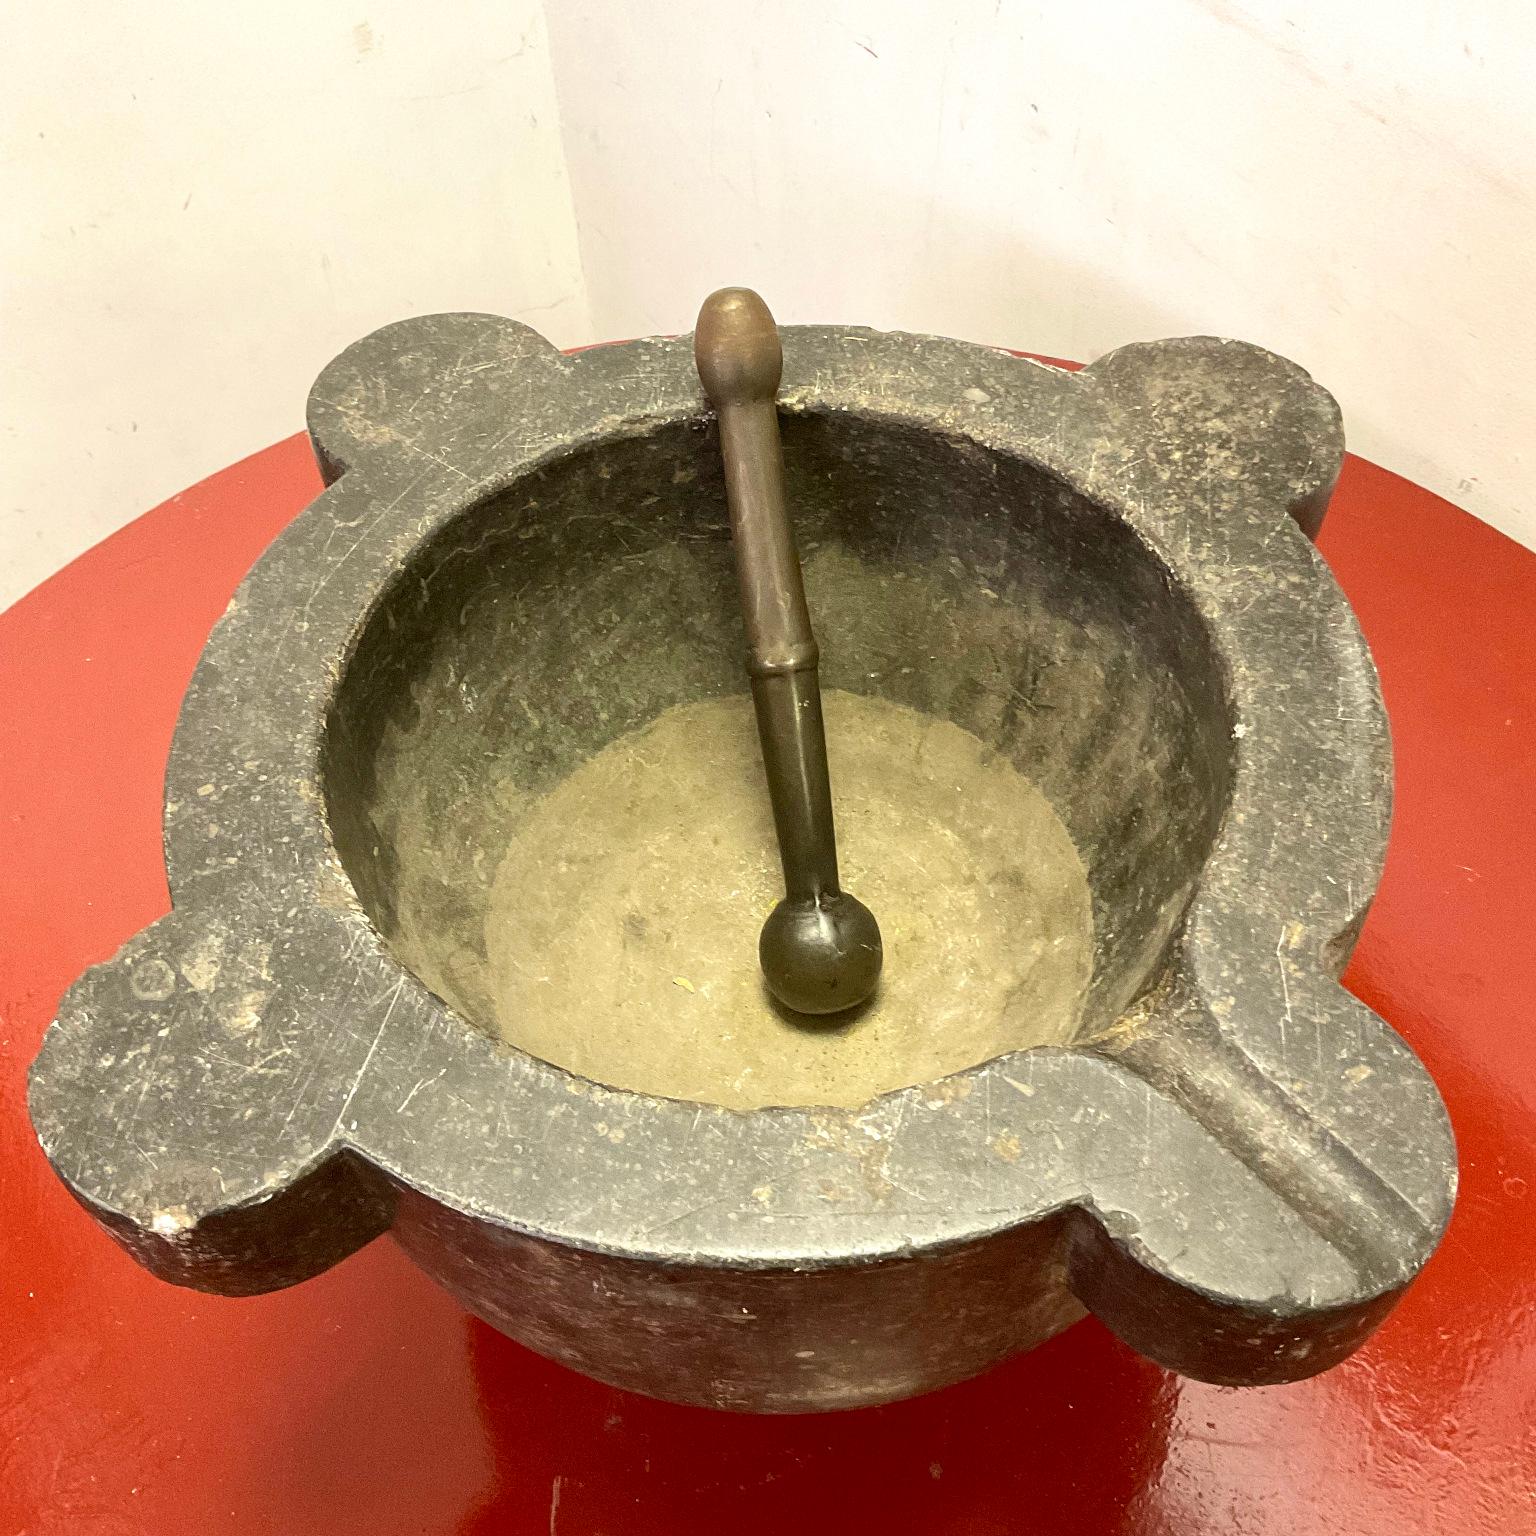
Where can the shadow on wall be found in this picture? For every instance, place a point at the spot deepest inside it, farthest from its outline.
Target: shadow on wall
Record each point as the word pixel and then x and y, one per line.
pixel 1052 298
pixel 944 272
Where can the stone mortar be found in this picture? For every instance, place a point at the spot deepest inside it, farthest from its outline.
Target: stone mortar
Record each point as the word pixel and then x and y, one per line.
pixel 522 556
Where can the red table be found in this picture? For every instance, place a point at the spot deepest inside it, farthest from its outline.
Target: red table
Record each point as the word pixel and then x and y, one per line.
pixel 366 1401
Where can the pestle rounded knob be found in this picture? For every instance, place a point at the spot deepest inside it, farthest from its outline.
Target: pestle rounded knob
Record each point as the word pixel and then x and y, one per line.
pixel 820 949
pixel 736 349
pixel 820 954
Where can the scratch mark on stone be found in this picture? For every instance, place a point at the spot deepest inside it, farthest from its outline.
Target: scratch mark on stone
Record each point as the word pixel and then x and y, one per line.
pixel 692 1210
pixel 417 1089
pixel 1285 987
pixel 362 1071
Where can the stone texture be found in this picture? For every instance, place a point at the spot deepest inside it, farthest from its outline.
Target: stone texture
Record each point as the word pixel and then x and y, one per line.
pixel 1103 576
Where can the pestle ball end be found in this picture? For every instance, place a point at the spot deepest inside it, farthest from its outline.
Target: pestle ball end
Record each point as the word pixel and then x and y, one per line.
pixel 821 956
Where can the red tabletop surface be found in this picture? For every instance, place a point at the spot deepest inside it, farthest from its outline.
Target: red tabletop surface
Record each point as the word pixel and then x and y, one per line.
pixel 367 1401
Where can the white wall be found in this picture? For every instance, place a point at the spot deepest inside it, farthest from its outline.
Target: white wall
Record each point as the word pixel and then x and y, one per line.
pixel 203 202
pixel 1349 182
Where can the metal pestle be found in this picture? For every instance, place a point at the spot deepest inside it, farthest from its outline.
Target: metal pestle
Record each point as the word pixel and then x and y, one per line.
pixel 820 948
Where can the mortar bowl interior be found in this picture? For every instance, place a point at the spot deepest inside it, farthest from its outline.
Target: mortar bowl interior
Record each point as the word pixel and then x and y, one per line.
pixel 540 773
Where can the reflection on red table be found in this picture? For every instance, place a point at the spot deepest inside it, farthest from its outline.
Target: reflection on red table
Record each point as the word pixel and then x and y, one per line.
pixel 366 1401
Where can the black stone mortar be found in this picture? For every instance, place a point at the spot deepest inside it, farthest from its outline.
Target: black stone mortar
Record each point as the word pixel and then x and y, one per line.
pixel 521 556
